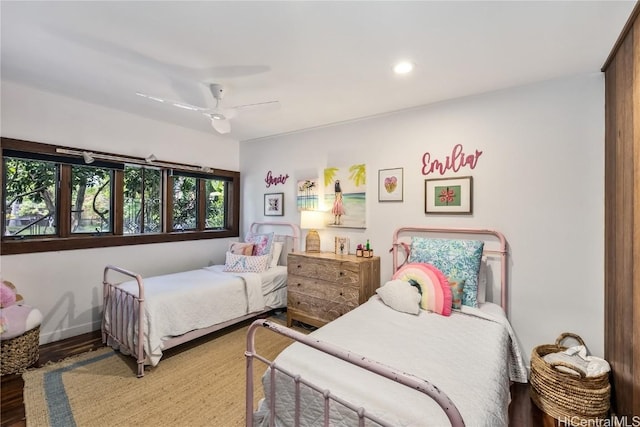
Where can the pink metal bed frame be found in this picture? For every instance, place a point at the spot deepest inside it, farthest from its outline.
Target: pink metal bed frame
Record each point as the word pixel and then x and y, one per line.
pixel 130 308
pixel 408 380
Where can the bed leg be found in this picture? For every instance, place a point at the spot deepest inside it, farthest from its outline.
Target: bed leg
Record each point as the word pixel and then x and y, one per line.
pixel 140 369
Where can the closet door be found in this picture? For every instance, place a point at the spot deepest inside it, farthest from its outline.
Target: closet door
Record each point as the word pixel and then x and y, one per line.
pixel 622 218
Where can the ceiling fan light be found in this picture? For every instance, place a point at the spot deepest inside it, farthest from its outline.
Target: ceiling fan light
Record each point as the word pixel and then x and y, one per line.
pixel 217 116
pixel 221 126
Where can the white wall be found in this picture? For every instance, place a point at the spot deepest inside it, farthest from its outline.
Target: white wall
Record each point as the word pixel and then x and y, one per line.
pixel 539 181
pixel 67 285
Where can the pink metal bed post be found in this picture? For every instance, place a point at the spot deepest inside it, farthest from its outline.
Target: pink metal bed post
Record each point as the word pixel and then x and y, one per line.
pixel 420 385
pixel 139 352
pixel 502 250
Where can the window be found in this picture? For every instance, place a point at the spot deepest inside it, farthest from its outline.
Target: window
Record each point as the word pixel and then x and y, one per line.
pixel 215 191
pixel 91 202
pixel 30 197
pixel 185 203
pixel 142 200
pixel 53 199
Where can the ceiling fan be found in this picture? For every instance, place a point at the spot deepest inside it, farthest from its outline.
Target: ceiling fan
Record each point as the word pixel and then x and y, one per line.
pixel 220 117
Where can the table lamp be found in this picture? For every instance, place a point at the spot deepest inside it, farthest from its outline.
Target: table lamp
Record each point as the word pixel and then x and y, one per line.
pixel 312 221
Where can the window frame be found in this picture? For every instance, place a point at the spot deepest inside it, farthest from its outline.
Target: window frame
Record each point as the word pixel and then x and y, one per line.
pixel 65 240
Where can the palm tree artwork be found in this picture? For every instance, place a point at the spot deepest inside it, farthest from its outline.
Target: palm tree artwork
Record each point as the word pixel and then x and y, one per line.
pixel 345 195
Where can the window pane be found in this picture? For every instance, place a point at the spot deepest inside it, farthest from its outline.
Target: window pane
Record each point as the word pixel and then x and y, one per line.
pixel 30 197
pixel 142 200
pixel 215 202
pixel 91 200
pixel 185 207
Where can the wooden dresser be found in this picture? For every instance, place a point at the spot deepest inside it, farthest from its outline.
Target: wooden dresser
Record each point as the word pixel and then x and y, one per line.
pixel 323 286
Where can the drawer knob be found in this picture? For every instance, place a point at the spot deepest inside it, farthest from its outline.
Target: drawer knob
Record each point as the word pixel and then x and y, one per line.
pixel 342 273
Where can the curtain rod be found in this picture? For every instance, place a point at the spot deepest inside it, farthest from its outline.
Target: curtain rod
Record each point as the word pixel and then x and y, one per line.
pixel 149 161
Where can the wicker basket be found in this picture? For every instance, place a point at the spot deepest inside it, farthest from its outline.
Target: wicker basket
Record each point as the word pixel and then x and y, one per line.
pixel 20 352
pixel 565 396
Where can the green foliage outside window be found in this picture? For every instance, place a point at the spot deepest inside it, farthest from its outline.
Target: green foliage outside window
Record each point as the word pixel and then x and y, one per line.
pixel 142 200
pixel 91 199
pixel 30 197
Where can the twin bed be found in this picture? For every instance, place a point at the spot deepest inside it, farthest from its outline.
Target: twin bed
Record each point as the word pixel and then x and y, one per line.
pixel 380 365
pixel 144 317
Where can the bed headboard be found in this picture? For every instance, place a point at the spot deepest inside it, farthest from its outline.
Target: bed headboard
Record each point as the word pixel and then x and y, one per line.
pixel 494 252
pixel 285 232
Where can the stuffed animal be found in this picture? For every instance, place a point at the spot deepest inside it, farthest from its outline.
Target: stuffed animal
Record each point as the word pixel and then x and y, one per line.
pixel 8 294
pixel 8 298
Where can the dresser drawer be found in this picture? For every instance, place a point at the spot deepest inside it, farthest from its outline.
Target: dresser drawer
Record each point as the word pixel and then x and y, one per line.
pixel 345 272
pixel 318 308
pixel 323 290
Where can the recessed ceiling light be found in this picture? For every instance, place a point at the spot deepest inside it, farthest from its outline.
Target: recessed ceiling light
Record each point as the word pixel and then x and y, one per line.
pixel 403 67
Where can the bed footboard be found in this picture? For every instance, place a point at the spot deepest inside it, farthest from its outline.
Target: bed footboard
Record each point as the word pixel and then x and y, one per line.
pixel 123 317
pixel 420 385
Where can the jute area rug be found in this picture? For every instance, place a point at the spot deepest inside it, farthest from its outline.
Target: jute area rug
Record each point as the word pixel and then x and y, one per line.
pixel 197 384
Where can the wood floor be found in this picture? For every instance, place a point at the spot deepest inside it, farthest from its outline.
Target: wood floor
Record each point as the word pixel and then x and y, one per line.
pixel 522 412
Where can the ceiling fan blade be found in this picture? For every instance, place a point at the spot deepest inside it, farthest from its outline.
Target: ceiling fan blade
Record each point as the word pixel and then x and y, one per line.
pixel 221 125
pixel 266 104
pixel 178 104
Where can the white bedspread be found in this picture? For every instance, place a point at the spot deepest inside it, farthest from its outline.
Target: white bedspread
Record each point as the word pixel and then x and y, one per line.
pixel 464 355
pixel 182 302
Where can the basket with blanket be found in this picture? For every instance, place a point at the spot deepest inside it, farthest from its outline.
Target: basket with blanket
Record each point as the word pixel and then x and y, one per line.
pixel 566 383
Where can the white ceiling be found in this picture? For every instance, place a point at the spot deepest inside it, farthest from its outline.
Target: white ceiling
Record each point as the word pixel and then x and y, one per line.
pixel 326 62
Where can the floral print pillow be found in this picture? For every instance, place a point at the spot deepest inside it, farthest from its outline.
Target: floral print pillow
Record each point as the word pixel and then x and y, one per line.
pixel 262 243
pixel 455 258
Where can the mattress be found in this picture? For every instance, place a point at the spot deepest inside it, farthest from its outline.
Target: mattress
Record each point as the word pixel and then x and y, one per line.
pixel 466 355
pixel 182 302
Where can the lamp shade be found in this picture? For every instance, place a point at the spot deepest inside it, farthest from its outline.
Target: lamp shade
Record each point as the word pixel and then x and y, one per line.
pixel 312 220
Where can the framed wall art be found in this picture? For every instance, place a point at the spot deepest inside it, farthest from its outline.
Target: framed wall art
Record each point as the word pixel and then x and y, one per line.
pixel 307 198
pixel 274 204
pixel 390 185
pixel 345 192
pixel 341 245
pixel 448 195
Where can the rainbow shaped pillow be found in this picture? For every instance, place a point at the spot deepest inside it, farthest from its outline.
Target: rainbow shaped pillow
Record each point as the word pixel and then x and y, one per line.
pixel 434 286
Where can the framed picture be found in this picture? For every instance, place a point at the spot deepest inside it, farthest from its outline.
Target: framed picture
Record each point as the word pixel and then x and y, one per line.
pixel 307 198
pixel 342 245
pixel 274 204
pixel 390 185
pixel 448 195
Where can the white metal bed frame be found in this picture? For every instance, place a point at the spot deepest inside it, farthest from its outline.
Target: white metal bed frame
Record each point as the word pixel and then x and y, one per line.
pixel 130 308
pixel 421 385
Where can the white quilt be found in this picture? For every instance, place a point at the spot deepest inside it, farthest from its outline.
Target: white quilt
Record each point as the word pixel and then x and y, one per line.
pixel 182 302
pixel 465 356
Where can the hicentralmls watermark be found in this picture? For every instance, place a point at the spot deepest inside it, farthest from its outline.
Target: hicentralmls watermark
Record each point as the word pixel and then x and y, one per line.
pixel 613 421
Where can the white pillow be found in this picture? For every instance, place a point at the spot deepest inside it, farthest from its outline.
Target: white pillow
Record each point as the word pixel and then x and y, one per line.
pixel 400 296
pixel 275 253
pixel 245 264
